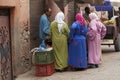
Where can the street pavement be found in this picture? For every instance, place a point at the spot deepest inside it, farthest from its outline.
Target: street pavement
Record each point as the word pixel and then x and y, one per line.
pixel 108 70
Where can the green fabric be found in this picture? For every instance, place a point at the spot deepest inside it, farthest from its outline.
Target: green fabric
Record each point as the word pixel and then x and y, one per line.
pixel 60 45
pixel 44 57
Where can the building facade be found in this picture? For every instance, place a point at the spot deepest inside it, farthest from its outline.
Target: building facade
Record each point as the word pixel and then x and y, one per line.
pixel 14 38
pixel 19 31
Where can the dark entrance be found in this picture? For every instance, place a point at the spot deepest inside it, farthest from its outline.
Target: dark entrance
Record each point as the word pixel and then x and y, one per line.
pixel 5 48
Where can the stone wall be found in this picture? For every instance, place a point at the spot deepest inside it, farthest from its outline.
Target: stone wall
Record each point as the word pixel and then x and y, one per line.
pixel 20 34
pixel 71 13
pixel 36 10
pixel 66 6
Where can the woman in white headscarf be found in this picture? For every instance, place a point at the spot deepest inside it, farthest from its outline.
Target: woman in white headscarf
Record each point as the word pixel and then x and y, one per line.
pixel 59 32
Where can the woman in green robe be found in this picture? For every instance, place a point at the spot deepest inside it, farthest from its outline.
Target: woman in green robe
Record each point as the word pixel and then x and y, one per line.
pixel 59 32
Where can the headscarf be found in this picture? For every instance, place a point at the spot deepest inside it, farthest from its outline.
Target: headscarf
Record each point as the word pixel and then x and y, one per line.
pixel 59 18
pixel 93 16
pixel 80 18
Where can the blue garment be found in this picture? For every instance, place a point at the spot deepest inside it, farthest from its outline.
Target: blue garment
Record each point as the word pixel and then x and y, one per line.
pixel 42 46
pixel 77 56
pixel 106 6
pixel 44 28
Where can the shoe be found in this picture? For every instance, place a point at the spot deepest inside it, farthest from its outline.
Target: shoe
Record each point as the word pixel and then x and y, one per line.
pixel 70 68
pixel 66 69
pixel 83 69
pixel 76 69
pixel 91 66
pixel 79 69
pixel 59 70
pixel 96 65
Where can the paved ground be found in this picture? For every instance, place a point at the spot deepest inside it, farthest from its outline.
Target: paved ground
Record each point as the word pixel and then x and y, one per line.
pixel 108 70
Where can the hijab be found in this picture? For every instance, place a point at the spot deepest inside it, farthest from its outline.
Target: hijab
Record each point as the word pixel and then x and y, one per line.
pixel 80 19
pixel 59 18
pixel 93 16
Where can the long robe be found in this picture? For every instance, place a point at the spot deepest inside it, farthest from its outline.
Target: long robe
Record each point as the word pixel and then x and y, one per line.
pixel 60 45
pixel 44 29
pixel 96 32
pixel 77 46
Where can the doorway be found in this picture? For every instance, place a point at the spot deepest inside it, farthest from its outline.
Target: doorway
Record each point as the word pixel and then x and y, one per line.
pixel 5 45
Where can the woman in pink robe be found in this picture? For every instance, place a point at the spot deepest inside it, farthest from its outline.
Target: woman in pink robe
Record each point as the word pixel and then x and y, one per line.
pixel 96 32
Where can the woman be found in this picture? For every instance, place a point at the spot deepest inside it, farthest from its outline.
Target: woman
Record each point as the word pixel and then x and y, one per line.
pixel 96 32
pixel 59 33
pixel 77 58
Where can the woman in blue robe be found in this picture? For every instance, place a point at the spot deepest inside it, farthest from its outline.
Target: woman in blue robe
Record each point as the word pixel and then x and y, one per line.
pixel 77 57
